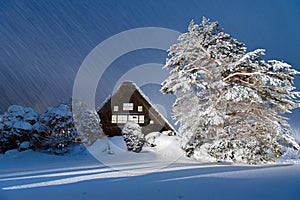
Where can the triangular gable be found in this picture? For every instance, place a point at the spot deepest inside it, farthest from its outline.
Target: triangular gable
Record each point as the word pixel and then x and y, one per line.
pixel 129 103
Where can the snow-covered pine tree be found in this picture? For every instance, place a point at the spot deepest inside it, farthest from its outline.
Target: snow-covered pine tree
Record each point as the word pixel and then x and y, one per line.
pixel 88 123
pixel 89 127
pixel 227 98
pixel 133 136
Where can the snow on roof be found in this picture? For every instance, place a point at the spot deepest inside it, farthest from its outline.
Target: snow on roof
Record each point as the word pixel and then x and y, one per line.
pixel 104 102
pixel 147 99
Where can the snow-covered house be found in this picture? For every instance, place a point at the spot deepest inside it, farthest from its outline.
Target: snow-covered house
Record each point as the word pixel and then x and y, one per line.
pixel 129 103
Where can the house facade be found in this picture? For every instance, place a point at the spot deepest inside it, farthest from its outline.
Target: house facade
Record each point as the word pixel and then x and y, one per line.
pixel 129 103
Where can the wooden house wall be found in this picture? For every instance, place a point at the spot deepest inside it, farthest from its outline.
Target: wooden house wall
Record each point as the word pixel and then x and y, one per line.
pixel 122 96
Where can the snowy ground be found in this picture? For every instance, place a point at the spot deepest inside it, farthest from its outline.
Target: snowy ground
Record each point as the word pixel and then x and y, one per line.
pixel 155 173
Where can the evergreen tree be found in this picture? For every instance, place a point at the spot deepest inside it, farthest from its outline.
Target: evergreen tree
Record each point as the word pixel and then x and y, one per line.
pixel 88 123
pixel 228 98
pixel 89 127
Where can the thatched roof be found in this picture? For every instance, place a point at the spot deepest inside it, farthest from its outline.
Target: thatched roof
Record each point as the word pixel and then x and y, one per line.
pixel 128 92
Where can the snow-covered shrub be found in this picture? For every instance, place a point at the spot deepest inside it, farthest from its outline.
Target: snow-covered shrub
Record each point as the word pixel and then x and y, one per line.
pixel 59 143
pixel 87 122
pixel 133 136
pixel 89 127
pixel 16 128
pixel 243 151
pixel 151 139
pixel 40 132
pixel 58 127
pixel 22 128
pixel 57 118
pixel 25 146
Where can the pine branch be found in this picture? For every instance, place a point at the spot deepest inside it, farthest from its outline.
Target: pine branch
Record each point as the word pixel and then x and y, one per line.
pixel 242 74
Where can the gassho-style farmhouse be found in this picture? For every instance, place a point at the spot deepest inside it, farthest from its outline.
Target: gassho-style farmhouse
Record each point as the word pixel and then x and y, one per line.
pixel 129 103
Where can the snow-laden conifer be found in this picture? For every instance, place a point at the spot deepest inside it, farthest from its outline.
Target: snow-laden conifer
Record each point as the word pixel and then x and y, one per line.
pixel 228 98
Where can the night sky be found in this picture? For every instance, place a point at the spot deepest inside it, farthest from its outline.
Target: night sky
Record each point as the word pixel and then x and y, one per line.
pixel 43 43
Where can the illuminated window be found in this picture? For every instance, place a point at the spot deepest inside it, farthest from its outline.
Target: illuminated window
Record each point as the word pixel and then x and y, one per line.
pixel 140 108
pixel 114 119
pixel 116 108
pixel 141 119
pixel 151 122
pixel 133 118
pixel 127 106
pixel 122 119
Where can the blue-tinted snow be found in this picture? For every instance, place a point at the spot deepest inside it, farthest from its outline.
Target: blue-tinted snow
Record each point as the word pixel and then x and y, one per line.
pixel 36 175
pixel 22 125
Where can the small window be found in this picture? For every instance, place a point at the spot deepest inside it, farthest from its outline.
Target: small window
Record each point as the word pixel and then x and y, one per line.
pixel 130 118
pixel 140 108
pixel 122 119
pixel 151 122
pixel 141 119
pixel 116 108
pixel 133 118
pixel 114 119
pixel 127 106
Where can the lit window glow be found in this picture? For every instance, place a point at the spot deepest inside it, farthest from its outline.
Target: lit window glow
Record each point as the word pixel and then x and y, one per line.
pixel 127 106
pixel 140 108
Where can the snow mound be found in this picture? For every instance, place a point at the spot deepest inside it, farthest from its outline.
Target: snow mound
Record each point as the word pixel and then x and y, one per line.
pixel 24 146
pixel 14 153
pixel 165 152
pixel 201 154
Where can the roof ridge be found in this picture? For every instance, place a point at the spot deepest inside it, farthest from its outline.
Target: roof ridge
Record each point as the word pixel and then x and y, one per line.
pixel 150 102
